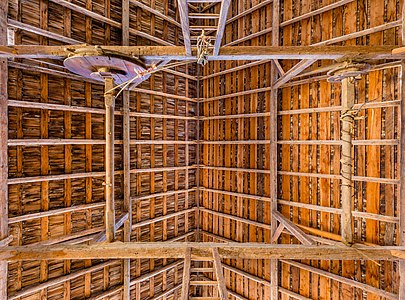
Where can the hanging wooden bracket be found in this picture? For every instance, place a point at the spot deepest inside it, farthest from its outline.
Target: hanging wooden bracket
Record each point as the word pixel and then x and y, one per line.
pixel 293 228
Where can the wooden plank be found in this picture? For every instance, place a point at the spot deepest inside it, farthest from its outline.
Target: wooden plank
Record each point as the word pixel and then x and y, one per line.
pixel 223 292
pixel 155 12
pixel 109 160
pixel 402 167
pixel 119 250
pixel 294 71
pixel 223 14
pixel 153 53
pixel 119 223
pixel 291 227
pixel 344 280
pixel 185 25
pixel 185 290
pixel 3 145
pixel 56 281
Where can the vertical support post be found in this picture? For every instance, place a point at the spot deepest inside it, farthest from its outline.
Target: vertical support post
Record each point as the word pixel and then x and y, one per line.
pixel 273 148
pixel 3 146
pixel 401 293
pixel 186 275
pixel 126 159
pixel 348 94
pixel 219 272
pixel 198 148
pixel 109 159
pixel 402 184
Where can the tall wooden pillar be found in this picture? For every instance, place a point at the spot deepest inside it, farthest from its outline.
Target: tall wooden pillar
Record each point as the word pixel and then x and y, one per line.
pixel 109 159
pixel 348 94
pixel 402 168
pixel 126 160
pixel 3 146
pixel 273 147
pixel 347 74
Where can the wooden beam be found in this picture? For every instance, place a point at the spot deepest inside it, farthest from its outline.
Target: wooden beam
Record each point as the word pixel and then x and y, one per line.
pixel 347 162
pixel 277 233
pixel 153 53
pixel 274 264
pixel 249 11
pixel 109 159
pixel 120 221
pixel 294 229
pixel 29 28
pixel 402 167
pixel 155 12
pixel 185 25
pixel 3 145
pixel 292 294
pixel 294 71
pixel 55 212
pixel 29 290
pixel 161 218
pixel 223 292
pixel 316 12
pixel 221 25
pixel 344 280
pixel 167 292
pixel 186 275
pixel 134 250
pixel 126 157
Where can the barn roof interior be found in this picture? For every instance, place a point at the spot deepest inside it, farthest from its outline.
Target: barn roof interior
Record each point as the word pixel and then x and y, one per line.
pixel 202 149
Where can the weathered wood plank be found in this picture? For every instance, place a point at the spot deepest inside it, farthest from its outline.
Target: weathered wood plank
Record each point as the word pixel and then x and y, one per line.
pixel 119 250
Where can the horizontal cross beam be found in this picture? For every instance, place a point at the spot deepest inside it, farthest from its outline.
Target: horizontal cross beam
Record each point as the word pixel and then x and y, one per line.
pixel 135 250
pixel 153 53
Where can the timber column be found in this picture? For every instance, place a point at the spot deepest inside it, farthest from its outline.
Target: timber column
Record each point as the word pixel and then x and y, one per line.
pixel 347 74
pixel 109 157
pixel 3 145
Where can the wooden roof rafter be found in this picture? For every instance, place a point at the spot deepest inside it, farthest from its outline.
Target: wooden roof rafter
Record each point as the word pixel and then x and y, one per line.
pixel 134 250
pixel 153 53
pixel 185 25
pixel 221 25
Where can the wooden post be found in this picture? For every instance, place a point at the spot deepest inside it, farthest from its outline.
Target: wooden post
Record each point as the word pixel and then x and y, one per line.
pixel 348 94
pixel 109 159
pixel 185 25
pixel 126 160
pixel 186 275
pixel 3 146
pixel 273 148
pixel 402 168
pixel 219 272
pixel 221 25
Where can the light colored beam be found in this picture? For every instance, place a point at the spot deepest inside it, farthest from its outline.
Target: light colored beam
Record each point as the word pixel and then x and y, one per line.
pixel 3 145
pixel 344 280
pixel 120 221
pixel 294 71
pixel 109 159
pixel 402 167
pixel 153 53
pixel 347 121
pixel 223 292
pixel 294 229
pixel 221 25
pixel 155 12
pixel 133 250
pixel 29 290
pixel 185 25
pixel 186 275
